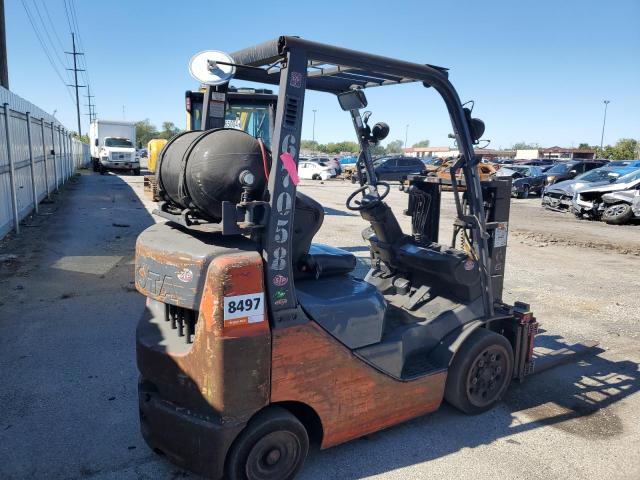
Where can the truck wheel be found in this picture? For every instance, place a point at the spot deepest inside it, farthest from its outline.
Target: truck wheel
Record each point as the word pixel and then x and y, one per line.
pixel 136 171
pixel 94 164
pixel 480 373
pixel 617 214
pixel 273 445
pixel 103 170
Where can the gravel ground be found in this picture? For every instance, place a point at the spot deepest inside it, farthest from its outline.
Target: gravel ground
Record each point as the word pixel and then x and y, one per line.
pixel 67 363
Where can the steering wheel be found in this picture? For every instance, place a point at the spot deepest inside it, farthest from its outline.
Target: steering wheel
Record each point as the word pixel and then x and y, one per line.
pixel 368 201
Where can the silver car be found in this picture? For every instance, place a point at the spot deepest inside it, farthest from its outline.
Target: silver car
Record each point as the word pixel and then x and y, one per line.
pixel 588 200
pixel 559 196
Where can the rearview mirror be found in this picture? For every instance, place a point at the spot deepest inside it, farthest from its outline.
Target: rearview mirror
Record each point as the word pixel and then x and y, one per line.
pixel 477 129
pixel 96 142
pixel 352 100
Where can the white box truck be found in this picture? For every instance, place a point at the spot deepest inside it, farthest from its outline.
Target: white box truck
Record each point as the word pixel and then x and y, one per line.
pixel 113 146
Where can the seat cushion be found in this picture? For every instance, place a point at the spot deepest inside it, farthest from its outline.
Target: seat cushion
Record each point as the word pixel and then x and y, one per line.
pixel 323 261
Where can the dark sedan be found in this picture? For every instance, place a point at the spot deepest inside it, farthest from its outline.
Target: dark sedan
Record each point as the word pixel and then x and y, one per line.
pixel 526 179
pixel 569 169
pixel 397 168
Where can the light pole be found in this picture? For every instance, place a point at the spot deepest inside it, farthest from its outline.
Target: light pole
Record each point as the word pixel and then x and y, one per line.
pixel 604 121
pixel 406 134
pixel 314 125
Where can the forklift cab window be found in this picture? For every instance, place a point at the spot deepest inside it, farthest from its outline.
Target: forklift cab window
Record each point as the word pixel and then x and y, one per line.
pixel 250 118
pixel 253 118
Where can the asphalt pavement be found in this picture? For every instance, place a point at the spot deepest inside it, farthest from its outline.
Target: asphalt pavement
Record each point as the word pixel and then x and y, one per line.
pixel 68 310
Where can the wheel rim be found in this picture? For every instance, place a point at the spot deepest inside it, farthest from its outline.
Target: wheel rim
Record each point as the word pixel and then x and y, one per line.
pixel 487 376
pixel 275 455
pixel 616 210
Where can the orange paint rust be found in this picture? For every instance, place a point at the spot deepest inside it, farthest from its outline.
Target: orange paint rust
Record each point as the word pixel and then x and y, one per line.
pixel 230 275
pixel 350 397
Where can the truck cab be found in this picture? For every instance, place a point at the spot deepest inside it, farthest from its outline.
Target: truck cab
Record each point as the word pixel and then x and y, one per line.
pixel 113 146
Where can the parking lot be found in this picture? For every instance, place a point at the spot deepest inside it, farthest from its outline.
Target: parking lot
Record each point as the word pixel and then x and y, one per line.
pixel 67 353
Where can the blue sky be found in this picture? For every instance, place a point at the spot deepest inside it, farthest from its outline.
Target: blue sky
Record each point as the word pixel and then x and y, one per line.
pixel 537 70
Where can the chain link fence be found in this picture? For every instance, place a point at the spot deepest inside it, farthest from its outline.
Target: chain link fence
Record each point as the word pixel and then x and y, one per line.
pixel 37 155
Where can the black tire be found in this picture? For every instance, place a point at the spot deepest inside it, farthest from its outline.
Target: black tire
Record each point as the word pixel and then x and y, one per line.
pixel 524 193
pixel 273 445
pixel 102 169
pixel 480 373
pixel 136 171
pixel 617 214
pixel 315 176
pixel 94 164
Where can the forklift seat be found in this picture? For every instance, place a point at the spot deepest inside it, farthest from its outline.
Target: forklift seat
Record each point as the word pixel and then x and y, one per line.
pixel 315 260
pixel 323 261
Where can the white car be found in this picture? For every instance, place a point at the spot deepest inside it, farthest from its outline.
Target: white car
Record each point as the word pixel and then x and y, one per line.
pixel 315 171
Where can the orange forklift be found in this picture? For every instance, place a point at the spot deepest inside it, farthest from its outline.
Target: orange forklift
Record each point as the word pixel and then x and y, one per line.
pixel 255 340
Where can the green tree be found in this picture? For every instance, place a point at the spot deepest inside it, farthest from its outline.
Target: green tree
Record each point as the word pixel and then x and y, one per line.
pixel 309 145
pixel 145 131
pixel 82 138
pixel 421 143
pixel 377 150
pixel 584 146
pixel 394 146
pixel 344 146
pixel 624 149
pixel 168 130
pixel 524 146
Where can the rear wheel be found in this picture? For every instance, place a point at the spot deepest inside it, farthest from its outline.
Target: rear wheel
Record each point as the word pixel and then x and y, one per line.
pixel 136 171
pixel 617 214
pixel 480 373
pixel 274 445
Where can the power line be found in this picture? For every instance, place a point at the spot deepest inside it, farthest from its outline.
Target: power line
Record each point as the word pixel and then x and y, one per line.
pixel 46 31
pixel 46 11
pixel 44 49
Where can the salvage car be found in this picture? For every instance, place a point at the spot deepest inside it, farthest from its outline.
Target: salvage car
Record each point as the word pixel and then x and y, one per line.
pixel 311 170
pixel 570 169
pixel 526 179
pixel 485 171
pixel 559 196
pixel 588 201
pixel 621 207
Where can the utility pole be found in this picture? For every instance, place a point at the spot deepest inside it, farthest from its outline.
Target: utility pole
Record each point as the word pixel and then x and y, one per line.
pixel 606 104
pixel 406 134
pixel 91 105
pixel 4 69
pixel 75 73
pixel 314 126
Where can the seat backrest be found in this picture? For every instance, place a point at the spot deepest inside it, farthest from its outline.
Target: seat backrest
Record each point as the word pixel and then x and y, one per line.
pixel 307 220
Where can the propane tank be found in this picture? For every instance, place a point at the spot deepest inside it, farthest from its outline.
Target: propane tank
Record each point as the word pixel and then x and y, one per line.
pixel 199 170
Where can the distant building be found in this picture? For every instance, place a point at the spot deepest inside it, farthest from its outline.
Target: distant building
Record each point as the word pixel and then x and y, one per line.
pixel 567 153
pixel 490 154
pixel 445 152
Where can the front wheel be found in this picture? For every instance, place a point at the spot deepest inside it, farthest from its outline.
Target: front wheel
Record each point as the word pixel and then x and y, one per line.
pixel 480 373
pixel 617 214
pixel 274 445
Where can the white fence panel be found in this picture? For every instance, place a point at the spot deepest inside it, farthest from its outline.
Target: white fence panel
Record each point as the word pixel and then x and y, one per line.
pixel 27 176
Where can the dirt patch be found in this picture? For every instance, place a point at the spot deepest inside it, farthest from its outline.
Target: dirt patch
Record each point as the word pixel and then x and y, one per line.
pixel 544 239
